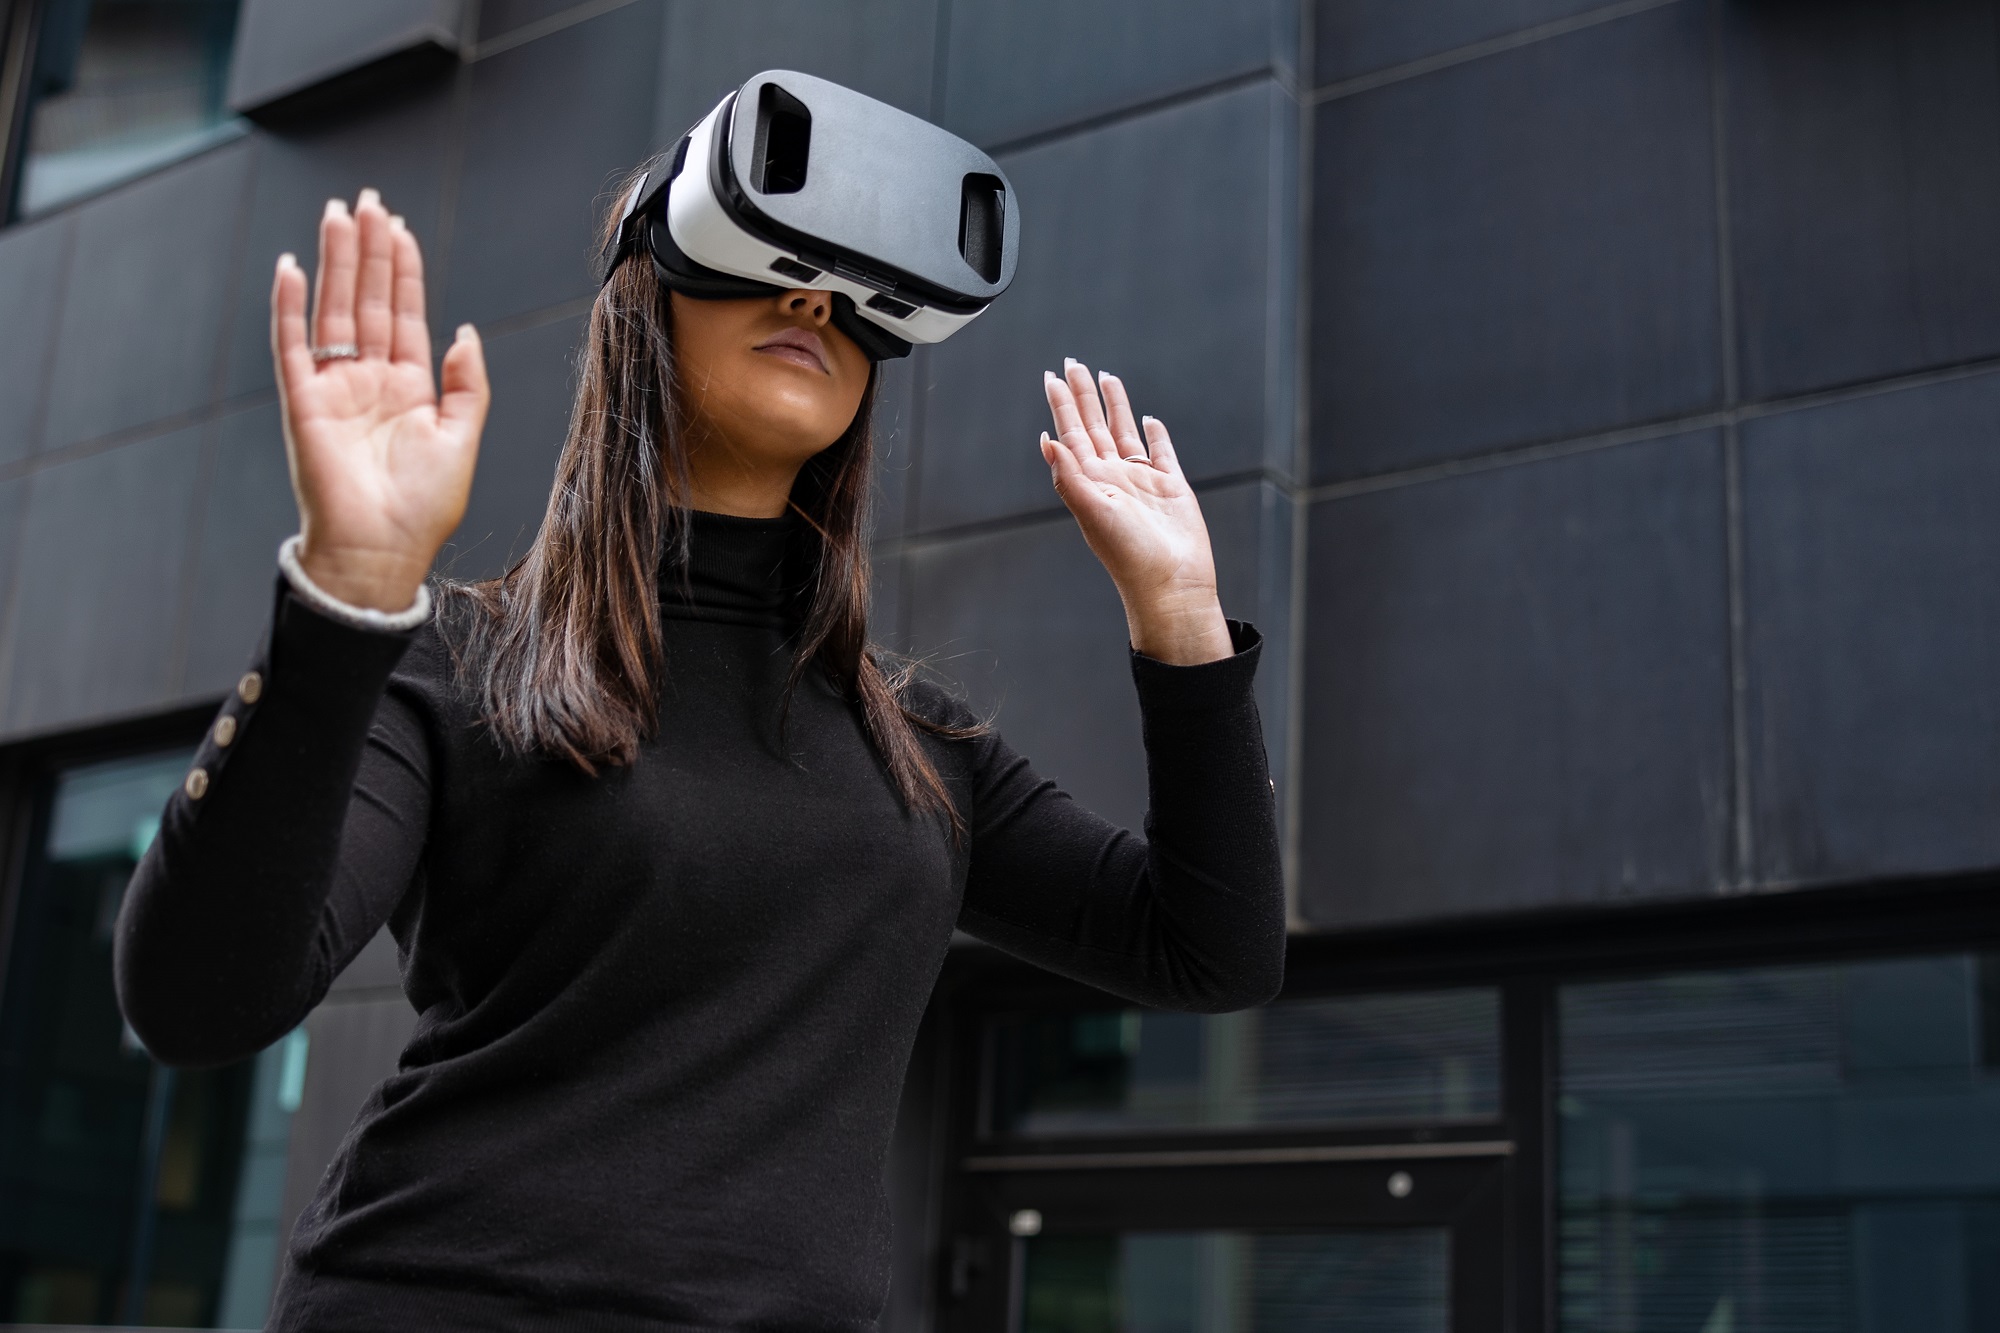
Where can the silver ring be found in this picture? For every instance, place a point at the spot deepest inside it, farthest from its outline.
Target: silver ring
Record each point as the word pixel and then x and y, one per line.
pixel 336 352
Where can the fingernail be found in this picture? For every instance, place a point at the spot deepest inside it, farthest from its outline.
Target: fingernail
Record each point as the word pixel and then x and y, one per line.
pixel 336 208
pixel 1145 421
pixel 368 196
pixel 288 260
pixel 396 223
pixel 1048 375
pixel 466 331
pixel 1069 361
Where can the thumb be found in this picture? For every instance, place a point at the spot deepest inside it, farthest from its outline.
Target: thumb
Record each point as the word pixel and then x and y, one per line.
pixel 1073 485
pixel 466 395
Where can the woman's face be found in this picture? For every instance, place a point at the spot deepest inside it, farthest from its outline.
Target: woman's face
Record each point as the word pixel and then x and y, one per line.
pixel 769 382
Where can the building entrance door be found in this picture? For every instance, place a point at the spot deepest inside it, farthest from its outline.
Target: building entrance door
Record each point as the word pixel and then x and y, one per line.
pixel 1371 1241
pixel 1327 1162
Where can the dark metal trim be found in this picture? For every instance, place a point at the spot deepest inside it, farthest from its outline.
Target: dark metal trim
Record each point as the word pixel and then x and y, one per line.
pixel 1346 1152
pixel 1528 1091
pixel 18 22
pixel 1913 914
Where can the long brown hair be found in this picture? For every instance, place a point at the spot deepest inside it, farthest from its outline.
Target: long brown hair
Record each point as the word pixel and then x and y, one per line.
pixel 564 653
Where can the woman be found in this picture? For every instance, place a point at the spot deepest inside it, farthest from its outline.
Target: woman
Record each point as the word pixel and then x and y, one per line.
pixel 671 859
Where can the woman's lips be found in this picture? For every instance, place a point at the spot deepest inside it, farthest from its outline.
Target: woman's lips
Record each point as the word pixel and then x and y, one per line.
pixel 798 346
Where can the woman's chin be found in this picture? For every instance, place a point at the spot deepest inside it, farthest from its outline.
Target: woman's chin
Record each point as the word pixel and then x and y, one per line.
pixel 796 424
pixel 775 435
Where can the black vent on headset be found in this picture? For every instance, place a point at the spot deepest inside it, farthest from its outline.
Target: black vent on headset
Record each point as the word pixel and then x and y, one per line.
pixel 783 143
pixel 982 204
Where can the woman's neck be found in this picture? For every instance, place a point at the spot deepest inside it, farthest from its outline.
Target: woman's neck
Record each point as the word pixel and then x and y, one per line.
pixel 725 479
pixel 738 570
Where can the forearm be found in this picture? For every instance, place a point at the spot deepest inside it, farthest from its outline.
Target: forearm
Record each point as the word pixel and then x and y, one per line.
pixel 226 938
pixel 1190 917
pixel 1213 860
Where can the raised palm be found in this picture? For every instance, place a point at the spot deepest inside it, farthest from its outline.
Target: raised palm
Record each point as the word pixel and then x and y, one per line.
pixel 1138 514
pixel 381 462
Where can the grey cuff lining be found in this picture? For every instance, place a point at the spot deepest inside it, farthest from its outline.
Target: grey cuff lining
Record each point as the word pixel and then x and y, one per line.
pixel 361 617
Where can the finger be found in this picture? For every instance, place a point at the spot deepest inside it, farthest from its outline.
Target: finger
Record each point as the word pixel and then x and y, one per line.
pixel 412 343
pixel 1118 409
pixel 339 257
pixel 1162 445
pixel 289 346
pixel 374 324
pixel 1077 376
pixel 1069 422
pixel 462 406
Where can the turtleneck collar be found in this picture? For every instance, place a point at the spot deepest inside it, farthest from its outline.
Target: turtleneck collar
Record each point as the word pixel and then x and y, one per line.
pixel 739 572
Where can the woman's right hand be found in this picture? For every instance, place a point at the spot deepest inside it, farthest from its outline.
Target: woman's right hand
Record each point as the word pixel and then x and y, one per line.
pixel 381 462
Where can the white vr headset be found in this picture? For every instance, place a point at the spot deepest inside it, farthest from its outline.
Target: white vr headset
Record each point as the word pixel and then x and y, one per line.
pixel 792 181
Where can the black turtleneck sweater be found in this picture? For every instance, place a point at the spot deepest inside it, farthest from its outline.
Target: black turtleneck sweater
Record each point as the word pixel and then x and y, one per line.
pixel 663 1013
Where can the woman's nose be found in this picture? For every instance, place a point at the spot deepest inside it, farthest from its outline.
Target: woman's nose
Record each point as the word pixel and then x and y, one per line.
pixel 816 306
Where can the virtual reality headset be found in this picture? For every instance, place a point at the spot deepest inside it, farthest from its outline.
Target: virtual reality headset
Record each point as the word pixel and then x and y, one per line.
pixel 792 181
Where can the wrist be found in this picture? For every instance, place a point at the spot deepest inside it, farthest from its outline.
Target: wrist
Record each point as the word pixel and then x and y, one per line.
pixel 382 581
pixel 1183 627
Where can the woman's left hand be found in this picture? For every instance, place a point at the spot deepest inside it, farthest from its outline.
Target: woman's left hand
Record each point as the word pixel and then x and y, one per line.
pixel 1139 515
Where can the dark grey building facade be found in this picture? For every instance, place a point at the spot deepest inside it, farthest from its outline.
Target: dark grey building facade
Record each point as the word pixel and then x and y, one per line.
pixel 1596 405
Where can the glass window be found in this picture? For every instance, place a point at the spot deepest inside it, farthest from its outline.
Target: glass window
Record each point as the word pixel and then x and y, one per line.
pixel 1783 1148
pixel 1376 1281
pixel 129 1193
pixel 120 87
pixel 1431 1056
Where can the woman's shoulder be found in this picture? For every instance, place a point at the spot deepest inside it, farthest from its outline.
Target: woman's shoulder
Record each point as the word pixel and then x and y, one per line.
pixel 936 705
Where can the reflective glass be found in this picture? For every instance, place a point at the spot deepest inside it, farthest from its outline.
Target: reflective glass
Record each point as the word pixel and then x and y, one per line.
pixel 1380 1281
pixel 111 1165
pixel 1798 1148
pixel 1428 1056
pixel 120 87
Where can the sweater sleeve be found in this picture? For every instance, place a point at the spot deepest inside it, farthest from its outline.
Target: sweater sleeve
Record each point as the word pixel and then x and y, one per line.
pixel 293 839
pixel 1191 916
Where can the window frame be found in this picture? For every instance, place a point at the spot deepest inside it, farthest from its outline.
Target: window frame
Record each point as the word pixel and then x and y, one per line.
pixel 20 24
pixel 1528 958
pixel 29 772
pixel 20 35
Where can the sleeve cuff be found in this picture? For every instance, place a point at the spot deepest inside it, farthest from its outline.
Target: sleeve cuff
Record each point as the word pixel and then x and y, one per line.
pixel 1207 685
pixel 360 617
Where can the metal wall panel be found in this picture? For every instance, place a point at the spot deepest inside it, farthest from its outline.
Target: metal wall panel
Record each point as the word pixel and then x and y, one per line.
pixel 147 291
pixel 1359 37
pixel 33 261
pixel 880 47
pixel 246 509
pixel 1874 635
pixel 1036 67
pixel 534 381
pixel 1157 248
pixel 93 632
pixel 1861 139
pixel 549 128
pixel 1516 248
pixel 1516 689
pixel 284 47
